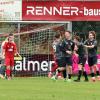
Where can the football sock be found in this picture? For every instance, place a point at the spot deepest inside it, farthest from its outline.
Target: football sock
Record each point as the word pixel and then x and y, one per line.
pixel 92 74
pixel 85 75
pixel 69 76
pixel 79 74
pixel 8 72
pixel 97 72
pixel 64 74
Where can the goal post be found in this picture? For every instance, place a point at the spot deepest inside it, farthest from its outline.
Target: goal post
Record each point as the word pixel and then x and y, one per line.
pixel 34 42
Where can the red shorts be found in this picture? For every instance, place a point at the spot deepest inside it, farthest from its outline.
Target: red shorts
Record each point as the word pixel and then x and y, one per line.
pixel 9 62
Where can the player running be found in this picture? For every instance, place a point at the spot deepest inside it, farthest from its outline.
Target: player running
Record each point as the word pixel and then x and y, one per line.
pixel 91 45
pixel 9 50
pixel 81 53
pixel 59 56
pixel 68 48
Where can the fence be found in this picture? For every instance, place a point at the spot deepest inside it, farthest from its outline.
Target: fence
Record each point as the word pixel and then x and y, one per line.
pixel 34 42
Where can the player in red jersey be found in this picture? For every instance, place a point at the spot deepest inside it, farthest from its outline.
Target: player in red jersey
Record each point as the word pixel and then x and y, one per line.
pixel 9 51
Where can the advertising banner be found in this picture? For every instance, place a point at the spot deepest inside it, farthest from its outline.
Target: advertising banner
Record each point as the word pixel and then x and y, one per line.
pixel 61 10
pixel 40 63
pixel 10 10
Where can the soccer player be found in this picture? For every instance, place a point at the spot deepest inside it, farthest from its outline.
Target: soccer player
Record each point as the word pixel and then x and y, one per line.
pixel 91 45
pixel 59 57
pixel 2 65
pixel 9 50
pixel 2 68
pixel 68 48
pixel 81 53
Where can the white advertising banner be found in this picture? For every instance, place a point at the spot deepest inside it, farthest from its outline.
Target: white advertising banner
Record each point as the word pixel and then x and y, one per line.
pixel 10 9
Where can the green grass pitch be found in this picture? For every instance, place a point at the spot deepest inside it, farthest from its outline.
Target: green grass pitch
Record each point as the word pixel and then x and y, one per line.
pixel 42 88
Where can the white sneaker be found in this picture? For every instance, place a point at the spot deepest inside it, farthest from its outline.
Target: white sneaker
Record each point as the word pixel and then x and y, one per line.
pixel 1 76
pixel 69 80
pixel 53 78
pixel 93 79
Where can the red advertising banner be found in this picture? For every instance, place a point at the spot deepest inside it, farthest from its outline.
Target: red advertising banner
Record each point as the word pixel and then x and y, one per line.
pixel 61 10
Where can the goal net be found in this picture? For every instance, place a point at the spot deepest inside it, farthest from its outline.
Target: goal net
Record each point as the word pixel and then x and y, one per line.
pixel 35 46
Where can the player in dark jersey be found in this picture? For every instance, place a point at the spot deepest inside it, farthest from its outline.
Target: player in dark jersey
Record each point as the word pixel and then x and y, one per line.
pixel 91 45
pixel 2 65
pixel 2 68
pixel 82 58
pixel 58 55
pixel 67 48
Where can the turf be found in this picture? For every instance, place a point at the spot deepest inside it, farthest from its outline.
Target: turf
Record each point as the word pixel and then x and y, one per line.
pixel 40 88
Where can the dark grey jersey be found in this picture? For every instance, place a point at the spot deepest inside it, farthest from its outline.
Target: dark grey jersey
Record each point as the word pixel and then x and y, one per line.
pixel 67 45
pixel 81 49
pixel 57 50
pixel 91 51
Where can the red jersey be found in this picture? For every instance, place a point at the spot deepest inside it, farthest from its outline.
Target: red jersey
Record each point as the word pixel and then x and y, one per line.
pixel 10 49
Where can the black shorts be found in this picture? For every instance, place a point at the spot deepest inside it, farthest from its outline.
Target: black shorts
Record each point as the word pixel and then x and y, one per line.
pixel 82 60
pixel 61 62
pixel 68 61
pixel 92 60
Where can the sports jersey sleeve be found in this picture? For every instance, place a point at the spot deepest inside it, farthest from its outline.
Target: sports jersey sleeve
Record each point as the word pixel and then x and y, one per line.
pixel 95 43
pixel 53 47
pixel 85 42
pixel 4 46
pixel 73 46
pixel 62 45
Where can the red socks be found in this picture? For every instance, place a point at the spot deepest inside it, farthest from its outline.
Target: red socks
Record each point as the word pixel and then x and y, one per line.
pixel 8 72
